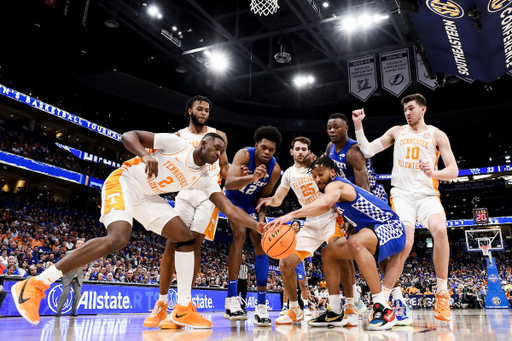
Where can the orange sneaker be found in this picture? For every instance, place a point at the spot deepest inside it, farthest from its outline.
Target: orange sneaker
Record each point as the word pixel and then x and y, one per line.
pixel 189 317
pixel 158 314
pixel 292 315
pixel 27 296
pixel 443 311
pixel 168 324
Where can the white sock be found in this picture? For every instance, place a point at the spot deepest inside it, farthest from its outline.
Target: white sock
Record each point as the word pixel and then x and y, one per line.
pixel 335 303
pixel 50 275
pixel 285 305
pixel 386 293
pixel 379 298
pixel 185 273
pixel 350 301
pixel 163 298
pixel 397 294
pixel 442 284
pixel 356 293
pixel 305 302
pixel 294 304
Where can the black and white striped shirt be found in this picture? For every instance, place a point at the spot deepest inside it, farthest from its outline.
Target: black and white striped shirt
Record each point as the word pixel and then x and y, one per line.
pixel 244 269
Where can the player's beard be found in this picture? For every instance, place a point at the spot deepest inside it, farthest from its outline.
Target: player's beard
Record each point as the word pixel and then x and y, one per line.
pixel 196 122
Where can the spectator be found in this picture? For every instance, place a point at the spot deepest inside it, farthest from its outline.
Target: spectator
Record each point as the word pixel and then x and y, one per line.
pixel 32 271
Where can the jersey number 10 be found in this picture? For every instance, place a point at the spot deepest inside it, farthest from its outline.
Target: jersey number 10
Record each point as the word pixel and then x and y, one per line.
pixel 415 153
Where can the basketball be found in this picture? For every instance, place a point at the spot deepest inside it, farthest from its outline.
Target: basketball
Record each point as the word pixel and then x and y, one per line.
pixel 279 243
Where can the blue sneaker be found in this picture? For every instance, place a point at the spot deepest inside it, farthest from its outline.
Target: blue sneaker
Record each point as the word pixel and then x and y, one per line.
pixel 402 313
pixel 361 307
pixel 383 318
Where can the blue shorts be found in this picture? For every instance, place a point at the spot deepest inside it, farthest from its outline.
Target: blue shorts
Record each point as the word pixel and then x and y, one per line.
pixel 301 273
pixel 391 239
pixel 249 208
pixel 379 191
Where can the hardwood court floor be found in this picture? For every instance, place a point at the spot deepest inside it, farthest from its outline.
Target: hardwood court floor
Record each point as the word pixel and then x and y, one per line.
pixel 467 325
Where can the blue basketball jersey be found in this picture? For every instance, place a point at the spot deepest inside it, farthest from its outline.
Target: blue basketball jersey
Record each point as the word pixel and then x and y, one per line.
pixel 340 159
pixel 249 195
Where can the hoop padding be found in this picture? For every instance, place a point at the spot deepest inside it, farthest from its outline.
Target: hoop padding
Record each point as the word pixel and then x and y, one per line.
pixel 264 7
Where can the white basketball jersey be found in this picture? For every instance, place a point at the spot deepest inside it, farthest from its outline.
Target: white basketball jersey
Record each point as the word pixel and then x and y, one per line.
pixel 410 147
pixel 193 140
pixel 176 169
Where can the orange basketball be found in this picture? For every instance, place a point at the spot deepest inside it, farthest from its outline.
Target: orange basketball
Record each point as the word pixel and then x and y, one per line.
pixel 280 243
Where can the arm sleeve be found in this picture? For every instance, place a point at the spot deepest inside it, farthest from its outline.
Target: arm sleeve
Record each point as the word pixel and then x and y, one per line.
pixel 168 143
pixel 285 180
pixel 368 149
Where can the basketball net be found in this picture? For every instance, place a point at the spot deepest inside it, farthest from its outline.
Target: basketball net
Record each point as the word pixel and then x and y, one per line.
pixel 485 249
pixel 264 7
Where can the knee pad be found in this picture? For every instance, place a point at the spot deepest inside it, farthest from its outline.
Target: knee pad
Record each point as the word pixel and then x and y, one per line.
pixel 261 269
pixel 188 242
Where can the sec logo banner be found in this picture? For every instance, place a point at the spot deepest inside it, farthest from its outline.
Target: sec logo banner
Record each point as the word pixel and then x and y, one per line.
pixel 446 8
pixel 498 5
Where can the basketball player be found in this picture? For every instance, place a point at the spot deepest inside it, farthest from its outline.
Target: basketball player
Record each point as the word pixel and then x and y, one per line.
pixel 415 178
pixel 315 232
pixel 244 192
pixel 192 205
pixel 379 234
pixel 130 192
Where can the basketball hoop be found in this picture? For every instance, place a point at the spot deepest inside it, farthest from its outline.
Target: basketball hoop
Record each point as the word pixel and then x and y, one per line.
pixel 264 7
pixel 485 249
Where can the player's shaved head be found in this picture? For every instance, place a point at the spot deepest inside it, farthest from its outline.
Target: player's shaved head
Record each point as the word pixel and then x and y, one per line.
pixel 210 136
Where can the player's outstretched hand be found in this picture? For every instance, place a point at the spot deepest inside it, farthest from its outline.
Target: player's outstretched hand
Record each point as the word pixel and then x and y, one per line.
pixel 259 172
pixel 276 223
pixel 358 115
pixel 263 201
pixel 425 168
pixel 309 159
pixel 151 166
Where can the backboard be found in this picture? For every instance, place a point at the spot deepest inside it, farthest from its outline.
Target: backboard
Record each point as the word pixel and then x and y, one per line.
pixel 476 238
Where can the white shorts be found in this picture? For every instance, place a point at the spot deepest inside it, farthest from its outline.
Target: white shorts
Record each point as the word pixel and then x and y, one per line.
pixel 122 198
pixel 412 207
pixel 197 212
pixel 315 232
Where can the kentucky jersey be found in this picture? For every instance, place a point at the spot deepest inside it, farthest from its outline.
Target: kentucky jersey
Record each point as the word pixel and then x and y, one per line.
pixel 367 210
pixel 194 140
pixel 248 196
pixel 176 169
pixel 410 147
pixel 340 158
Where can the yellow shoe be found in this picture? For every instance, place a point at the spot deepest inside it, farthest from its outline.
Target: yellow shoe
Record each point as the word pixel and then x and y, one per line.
pixel 189 317
pixel 443 311
pixel 27 296
pixel 168 324
pixel 158 314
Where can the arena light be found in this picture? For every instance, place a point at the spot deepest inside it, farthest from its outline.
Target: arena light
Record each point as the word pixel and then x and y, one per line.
pixel 366 20
pixel 349 24
pixel 218 61
pixel 380 17
pixel 159 15
pixel 326 4
pixel 153 11
pixel 302 80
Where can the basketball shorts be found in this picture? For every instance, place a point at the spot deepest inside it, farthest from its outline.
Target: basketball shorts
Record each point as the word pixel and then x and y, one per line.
pixel 123 198
pixel 197 212
pixel 391 239
pixel 379 191
pixel 301 272
pixel 315 232
pixel 249 208
pixel 412 207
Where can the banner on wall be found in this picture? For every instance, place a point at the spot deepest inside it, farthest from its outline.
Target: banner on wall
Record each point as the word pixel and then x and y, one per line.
pixel 362 77
pixel 395 71
pixel 88 157
pixel 119 298
pixel 422 74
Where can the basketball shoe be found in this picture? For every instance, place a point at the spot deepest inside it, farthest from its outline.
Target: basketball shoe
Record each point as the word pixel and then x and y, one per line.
pixel 383 318
pixel 261 318
pixel 361 307
pixel 402 313
pixel 292 315
pixel 158 314
pixel 27 296
pixel 168 324
pixel 443 311
pixel 350 316
pixel 284 310
pixel 327 318
pixel 189 317
pixel 233 311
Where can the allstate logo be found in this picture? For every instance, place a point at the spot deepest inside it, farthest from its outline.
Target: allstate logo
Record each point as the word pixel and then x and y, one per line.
pixel 172 296
pixel 493 278
pixel 446 8
pixel 53 299
pixel 496 300
pixel 497 5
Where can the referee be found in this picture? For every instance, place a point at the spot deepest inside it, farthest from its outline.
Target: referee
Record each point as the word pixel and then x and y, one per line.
pixel 242 281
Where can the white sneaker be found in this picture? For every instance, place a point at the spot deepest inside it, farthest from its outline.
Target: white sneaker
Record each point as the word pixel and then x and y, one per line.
pixel 261 318
pixel 283 311
pixel 291 316
pixel 233 311
pixel 350 317
pixel 361 307
pixel 307 312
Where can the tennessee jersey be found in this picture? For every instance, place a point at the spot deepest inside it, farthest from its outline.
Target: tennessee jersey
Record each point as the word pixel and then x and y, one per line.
pixel 302 184
pixel 410 147
pixel 194 140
